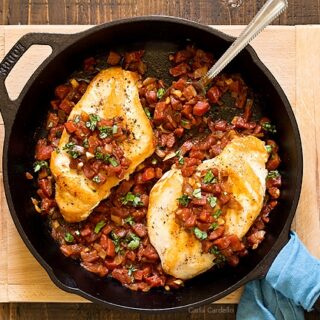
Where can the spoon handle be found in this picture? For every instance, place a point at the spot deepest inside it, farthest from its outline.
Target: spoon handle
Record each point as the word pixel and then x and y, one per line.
pixel 270 10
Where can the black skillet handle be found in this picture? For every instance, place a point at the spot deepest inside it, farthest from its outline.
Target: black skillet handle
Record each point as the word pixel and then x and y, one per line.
pixel 9 107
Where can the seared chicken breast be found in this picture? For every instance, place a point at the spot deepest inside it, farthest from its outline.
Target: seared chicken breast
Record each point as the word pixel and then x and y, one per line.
pixel 244 160
pixel 112 93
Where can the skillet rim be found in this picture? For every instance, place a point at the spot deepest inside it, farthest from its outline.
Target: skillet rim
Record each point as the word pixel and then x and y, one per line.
pixel 261 269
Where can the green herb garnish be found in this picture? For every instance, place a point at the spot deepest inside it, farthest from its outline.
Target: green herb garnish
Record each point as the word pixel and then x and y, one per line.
pixel 197 193
pixel 154 161
pixel 113 162
pixel 217 214
pixel 131 270
pixel 76 119
pixel 267 126
pixel 160 93
pixel 38 165
pixel 268 148
pixel 184 122
pixel 201 235
pixel 96 179
pixel 212 201
pixel 70 149
pixel 147 112
pixel 184 200
pixel 131 199
pixel 99 226
pixel 116 241
pixel 93 120
pixel 209 178
pixel 214 226
pixel 129 220
pixel 273 174
pixel 180 157
pixel 69 237
pixel 105 132
pixel 85 143
pixel 219 256
pixel 134 241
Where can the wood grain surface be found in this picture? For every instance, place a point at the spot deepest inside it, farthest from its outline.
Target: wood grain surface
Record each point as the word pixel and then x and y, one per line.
pixel 96 12
pixel 206 12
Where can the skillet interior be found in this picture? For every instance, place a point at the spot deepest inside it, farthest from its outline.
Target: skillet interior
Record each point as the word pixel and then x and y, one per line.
pixel 159 37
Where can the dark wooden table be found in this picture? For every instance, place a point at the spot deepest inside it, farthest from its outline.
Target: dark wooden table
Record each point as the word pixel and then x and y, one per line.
pixel 95 12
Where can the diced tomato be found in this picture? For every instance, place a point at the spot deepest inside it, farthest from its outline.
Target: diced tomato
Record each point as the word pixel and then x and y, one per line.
pixel 66 106
pixel 148 174
pixel 180 69
pixel 46 187
pixel 70 126
pixel 52 121
pixel 155 281
pixel 108 245
pixel 121 275
pixel 96 268
pixel 201 108
pixel 62 91
pixel 140 229
pixel 214 94
pixel 89 256
pixel 43 151
pixel 159 114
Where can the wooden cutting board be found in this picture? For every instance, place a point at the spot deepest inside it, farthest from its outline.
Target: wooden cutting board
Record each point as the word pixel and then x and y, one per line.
pixel 291 54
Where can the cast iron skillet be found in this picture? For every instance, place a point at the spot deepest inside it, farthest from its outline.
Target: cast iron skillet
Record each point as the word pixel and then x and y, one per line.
pixel 158 36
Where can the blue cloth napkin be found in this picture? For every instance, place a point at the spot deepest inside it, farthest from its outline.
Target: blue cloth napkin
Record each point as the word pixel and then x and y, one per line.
pixel 291 285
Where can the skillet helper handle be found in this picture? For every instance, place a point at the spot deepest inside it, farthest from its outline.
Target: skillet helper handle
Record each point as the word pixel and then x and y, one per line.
pixel 9 107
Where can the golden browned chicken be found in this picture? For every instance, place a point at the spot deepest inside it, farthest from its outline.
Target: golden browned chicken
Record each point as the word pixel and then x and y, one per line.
pixel 243 160
pixel 112 93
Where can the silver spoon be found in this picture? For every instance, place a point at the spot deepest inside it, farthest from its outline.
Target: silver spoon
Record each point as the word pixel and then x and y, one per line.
pixel 271 10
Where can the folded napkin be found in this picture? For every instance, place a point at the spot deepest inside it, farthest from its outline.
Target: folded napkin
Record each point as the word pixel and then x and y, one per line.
pixel 291 285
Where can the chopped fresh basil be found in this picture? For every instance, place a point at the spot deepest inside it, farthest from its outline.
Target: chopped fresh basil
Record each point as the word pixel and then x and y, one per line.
pixel 38 165
pixel 217 214
pixel 212 201
pixel 209 178
pixel 184 200
pixel 268 148
pixel 214 226
pixel 76 119
pixel 219 256
pixel 96 179
pixel 180 157
pixel 129 220
pixel 85 143
pixel 197 193
pixel 201 235
pixel 273 174
pixel 147 112
pixel 99 226
pixel 93 120
pixel 99 155
pixel 69 237
pixel 131 199
pixel 113 162
pixel 267 126
pixel 131 270
pixel 105 132
pixel 134 241
pixel 160 93
pixel 70 149
pixel 184 122
pixel 116 241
